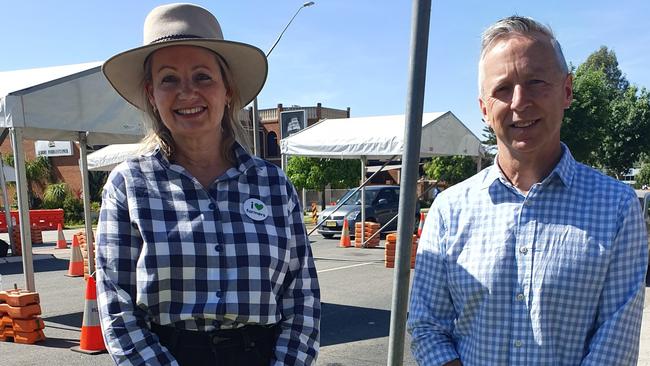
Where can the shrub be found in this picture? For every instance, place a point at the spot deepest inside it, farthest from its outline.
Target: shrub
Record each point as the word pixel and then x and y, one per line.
pixel 74 210
pixel 55 195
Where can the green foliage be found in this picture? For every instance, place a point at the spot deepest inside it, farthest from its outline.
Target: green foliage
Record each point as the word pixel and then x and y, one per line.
pixel 627 135
pixel 605 61
pixel 314 173
pixel 489 138
pixel 96 181
pixel 55 195
pixel 73 209
pixel 608 124
pixel 589 112
pixel 450 169
pixel 643 176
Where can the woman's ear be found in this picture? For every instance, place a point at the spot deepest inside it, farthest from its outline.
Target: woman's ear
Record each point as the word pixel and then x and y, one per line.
pixel 148 89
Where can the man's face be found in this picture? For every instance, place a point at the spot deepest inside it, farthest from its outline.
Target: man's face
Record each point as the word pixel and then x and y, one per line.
pixel 523 95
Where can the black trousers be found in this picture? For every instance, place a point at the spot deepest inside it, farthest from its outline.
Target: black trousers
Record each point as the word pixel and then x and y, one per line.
pixel 251 345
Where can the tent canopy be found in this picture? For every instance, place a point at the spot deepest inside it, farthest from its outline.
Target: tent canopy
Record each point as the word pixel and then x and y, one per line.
pixel 106 158
pixel 56 103
pixel 381 137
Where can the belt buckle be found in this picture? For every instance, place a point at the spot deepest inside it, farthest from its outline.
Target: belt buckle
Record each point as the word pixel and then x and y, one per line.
pixel 215 339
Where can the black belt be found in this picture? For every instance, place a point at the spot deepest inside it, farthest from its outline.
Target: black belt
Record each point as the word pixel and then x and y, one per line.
pixel 245 336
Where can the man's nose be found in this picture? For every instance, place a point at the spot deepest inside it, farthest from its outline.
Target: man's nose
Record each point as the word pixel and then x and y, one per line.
pixel 520 98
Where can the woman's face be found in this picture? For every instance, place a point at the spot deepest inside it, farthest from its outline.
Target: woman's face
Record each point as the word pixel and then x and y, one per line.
pixel 188 91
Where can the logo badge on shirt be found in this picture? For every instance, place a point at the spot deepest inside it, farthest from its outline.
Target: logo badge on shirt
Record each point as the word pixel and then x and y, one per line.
pixel 255 209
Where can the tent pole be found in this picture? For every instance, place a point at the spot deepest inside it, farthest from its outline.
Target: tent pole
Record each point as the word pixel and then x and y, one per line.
pixel 7 209
pixel 363 199
pixel 23 207
pixel 421 13
pixel 83 166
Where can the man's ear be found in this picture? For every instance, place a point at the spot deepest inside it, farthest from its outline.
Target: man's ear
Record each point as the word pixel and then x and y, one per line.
pixel 568 91
pixel 484 112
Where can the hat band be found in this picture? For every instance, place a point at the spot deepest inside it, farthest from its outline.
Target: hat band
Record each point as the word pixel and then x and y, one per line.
pixel 174 37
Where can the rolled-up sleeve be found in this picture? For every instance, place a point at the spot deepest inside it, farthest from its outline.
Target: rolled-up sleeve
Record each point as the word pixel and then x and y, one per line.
pixel 298 340
pixel 119 243
pixel 431 311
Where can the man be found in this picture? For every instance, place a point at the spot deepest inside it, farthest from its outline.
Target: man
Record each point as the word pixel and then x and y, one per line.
pixel 538 259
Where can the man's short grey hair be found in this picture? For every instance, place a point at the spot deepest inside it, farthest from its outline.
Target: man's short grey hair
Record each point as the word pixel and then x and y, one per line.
pixel 521 25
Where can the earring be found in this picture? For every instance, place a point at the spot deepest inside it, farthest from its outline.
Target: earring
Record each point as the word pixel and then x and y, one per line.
pixel 155 110
pixel 228 105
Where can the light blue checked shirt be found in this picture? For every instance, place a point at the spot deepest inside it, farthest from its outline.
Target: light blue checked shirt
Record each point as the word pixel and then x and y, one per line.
pixel 555 277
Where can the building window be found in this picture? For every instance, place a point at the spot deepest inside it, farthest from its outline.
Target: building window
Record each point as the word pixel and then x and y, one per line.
pixel 272 150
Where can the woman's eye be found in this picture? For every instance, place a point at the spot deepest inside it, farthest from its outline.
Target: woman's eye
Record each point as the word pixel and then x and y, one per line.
pixel 203 77
pixel 168 79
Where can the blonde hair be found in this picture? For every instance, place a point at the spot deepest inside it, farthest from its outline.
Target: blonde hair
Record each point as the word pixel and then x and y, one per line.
pixel 231 129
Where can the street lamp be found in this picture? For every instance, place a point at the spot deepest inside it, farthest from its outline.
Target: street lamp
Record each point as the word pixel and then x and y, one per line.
pixel 256 142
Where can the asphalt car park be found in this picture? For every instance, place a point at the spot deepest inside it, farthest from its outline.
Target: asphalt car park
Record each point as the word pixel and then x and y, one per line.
pixel 356 299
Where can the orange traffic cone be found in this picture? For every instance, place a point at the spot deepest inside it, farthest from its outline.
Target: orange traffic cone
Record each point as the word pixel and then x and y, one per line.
pixel 91 333
pixel 345 235
pixel 76 266
pixel 61 243
pixel 421 225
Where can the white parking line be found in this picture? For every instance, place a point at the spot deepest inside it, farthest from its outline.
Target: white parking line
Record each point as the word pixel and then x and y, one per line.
pixel 345 267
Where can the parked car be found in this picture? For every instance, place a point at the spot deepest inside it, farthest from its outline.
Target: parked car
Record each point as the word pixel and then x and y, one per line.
pixel 644 200
pixel 382 204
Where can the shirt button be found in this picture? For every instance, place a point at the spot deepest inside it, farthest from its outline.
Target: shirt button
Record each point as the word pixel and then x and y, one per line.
pixel 520 297
pixel 518 343
pixel 218 247
pixel 218 293
pixel 211 206
pixel 523 250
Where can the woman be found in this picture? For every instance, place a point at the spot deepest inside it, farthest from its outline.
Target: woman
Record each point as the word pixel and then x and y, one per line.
pixel 202 256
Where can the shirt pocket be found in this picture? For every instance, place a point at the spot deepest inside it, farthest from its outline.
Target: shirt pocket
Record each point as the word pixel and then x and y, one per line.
pixel 573 263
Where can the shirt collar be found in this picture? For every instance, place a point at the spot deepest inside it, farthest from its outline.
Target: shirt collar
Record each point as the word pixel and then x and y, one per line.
pixel 564 170
pixel 244 160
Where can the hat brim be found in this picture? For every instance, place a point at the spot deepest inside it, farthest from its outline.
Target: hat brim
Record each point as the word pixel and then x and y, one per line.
pixel 247 63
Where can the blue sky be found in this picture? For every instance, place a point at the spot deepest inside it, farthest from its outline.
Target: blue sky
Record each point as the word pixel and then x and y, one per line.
pixel 342 53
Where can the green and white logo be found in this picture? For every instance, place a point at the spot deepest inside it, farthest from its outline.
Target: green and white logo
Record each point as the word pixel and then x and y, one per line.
pixel 255 209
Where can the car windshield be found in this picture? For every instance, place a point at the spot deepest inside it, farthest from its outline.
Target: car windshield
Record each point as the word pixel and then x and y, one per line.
pixel 356 197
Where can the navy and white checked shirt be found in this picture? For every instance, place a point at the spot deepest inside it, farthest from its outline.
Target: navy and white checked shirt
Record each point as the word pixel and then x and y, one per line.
pixel 173 252
pixel 555 277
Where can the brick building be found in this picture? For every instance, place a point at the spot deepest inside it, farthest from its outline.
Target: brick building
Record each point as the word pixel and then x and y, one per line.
pixel 269 133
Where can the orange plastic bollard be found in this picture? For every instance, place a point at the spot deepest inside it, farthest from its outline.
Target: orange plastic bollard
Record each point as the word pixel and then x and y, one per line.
pixel 91 341
pixel 421 225
pixel 76 266
pixel 61 243
pixel 345 235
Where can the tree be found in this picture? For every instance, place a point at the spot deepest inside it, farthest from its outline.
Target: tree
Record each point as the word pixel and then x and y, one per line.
pixel 450 169
pixel 643 176
pixel 314 173
pixel 489 138
pixel 605 60
pixel 627 135
pixel 582 128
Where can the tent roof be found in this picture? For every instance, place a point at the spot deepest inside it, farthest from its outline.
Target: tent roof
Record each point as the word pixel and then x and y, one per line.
pixel 56 103
pixel 106 158
pixel 381 137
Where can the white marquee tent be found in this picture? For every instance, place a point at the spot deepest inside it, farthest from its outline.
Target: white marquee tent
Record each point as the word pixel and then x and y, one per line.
pixel 381 137
pixel 72 102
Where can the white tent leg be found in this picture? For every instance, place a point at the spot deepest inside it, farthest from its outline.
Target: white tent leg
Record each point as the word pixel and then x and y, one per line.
pixel 363 200
pixel 83 166
pixel 23 207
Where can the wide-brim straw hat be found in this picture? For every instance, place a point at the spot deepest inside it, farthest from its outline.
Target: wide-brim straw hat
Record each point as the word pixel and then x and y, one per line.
pixel 185 25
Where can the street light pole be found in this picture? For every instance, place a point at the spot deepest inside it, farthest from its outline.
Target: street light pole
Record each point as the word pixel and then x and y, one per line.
pixel 256 123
